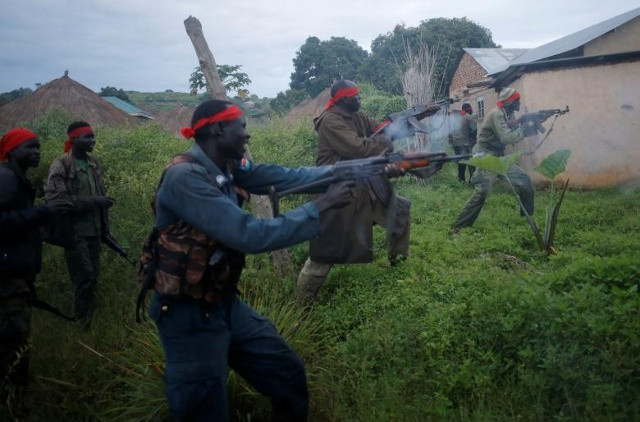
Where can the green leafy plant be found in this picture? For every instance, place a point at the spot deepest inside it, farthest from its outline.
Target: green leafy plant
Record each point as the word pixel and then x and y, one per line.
pixel 551 166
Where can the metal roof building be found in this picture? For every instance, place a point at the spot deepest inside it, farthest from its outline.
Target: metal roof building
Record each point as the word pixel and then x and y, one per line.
pixel 571 45
pixel 130 109
pixel 493 59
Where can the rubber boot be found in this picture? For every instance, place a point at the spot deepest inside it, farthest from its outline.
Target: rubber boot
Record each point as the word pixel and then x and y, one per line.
pixel 310 279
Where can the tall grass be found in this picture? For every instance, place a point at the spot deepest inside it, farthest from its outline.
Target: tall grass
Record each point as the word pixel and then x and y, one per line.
pixel 479 326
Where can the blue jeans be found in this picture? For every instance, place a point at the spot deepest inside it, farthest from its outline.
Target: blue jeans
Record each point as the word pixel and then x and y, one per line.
pixel 201 340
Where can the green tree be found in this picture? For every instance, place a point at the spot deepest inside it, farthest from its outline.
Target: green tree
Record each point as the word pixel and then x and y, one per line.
pixel 446 37
pixel 110 91
pixel 318 63
pixel 232 79
pixel 7 97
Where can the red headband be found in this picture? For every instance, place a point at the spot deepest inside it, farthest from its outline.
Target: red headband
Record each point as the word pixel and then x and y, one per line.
pixel 513 97
pixel 80 131
pixel 340 94
pixel 13 139
pixel 226 115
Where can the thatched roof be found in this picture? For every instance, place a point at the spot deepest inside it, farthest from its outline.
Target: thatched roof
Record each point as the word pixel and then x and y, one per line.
pixel 68 95
pixel 311 108
pixel 175 119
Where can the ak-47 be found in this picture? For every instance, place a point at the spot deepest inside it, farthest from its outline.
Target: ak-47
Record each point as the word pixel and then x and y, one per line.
pixel 532 122
pixel 116 247
pixel 362 169
pixel 406 123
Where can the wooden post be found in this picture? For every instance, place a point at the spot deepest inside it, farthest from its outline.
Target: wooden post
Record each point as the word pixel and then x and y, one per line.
pixel 215 88
pixel 206 59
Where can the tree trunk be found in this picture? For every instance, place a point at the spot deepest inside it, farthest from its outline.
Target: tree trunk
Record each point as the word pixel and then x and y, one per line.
pixel 281 258
pixel 206 60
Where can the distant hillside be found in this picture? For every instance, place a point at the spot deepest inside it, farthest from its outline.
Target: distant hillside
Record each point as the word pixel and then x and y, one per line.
pixel 163 102
pixel 155 102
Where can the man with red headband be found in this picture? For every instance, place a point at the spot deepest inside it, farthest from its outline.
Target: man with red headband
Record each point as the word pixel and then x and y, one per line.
pixel 20 259
pixel 345 133
pixel 76 176
pixel 494 135
pixel 201 236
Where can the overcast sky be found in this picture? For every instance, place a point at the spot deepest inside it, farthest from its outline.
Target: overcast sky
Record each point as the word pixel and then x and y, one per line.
pixel 142 45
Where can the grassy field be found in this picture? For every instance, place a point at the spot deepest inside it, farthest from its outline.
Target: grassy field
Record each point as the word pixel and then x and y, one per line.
pixel 473 327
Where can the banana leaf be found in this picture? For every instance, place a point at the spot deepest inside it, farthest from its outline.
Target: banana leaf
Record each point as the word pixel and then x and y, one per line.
pixel 554 164
pixel 498 165
pixel 554 220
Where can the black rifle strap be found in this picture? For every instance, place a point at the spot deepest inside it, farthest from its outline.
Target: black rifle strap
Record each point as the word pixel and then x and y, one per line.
pixel 537 147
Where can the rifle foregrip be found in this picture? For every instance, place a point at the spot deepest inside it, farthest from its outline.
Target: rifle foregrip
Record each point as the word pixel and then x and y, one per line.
pixel 412 164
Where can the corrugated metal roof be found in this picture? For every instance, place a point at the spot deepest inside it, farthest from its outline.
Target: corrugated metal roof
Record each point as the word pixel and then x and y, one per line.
pixel 492 59
pixel 128 108
pixel 573 41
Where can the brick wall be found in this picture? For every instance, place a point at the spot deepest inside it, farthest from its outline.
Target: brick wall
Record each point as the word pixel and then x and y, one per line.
pixel 468 71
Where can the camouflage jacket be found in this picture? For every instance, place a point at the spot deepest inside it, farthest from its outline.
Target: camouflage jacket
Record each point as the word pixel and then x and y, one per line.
pixel 494 134
pixel 63 183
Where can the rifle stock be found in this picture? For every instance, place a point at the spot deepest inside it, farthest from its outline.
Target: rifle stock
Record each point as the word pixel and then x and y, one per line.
pixel 108 240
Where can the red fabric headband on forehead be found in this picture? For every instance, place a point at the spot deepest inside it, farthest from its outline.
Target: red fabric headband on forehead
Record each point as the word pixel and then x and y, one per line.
pixel 83 130
pixel 13 139
pixel 80 131
pixel 340 94
pixel 513 97
pixel 226 115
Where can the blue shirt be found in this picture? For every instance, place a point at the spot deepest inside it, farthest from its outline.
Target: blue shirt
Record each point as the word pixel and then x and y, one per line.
pixel 202 196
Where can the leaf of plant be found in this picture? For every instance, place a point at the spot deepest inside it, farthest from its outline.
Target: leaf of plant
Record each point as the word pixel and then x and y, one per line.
pixel 554 164
pixel 499 165
pixel 554 220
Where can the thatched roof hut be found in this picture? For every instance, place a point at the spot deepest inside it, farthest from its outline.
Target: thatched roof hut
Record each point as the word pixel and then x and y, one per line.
pixel 175 119
pixel 310 108
pixel 68 95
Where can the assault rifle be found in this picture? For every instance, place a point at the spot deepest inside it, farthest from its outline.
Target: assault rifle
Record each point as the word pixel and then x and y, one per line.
pixel 362 169
pixel 406 123
pixel 116 247
pixel 532 122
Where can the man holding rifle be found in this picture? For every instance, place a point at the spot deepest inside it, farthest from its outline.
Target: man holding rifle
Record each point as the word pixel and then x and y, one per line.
pixel 345 133
pixel 498 130
pixel 20 261
pixel 76 176
pixel 196 255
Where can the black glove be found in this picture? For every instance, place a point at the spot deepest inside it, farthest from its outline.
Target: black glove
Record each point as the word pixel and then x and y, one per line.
pixel 337 196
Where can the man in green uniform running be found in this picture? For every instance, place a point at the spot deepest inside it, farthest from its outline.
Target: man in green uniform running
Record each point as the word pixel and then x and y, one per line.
pixel 497 131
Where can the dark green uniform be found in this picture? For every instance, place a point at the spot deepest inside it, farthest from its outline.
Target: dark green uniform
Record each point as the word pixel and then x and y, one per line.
pixel 493 137
pixel 77 180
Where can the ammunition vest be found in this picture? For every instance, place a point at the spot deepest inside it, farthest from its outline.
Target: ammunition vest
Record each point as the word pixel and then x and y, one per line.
pixel 180 260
